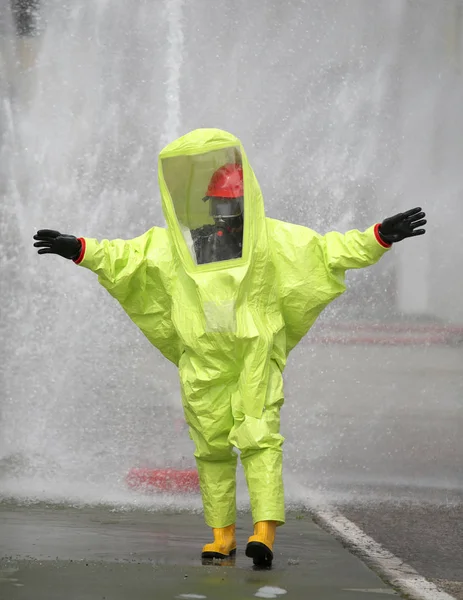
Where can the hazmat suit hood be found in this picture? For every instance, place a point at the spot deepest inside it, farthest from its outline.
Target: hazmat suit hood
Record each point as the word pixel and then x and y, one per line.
pixel 186 167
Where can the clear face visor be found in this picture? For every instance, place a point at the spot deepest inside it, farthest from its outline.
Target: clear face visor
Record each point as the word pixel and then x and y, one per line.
pixel 211 225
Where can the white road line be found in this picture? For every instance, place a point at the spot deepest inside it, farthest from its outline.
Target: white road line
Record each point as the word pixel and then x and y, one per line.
pixel 402 576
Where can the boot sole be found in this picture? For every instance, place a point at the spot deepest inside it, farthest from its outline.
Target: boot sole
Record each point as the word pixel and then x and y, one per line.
pixel 217 555
pixel 261 555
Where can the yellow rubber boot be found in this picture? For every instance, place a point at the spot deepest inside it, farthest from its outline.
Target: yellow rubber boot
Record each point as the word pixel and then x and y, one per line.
pixel 224 544
pixel 260 545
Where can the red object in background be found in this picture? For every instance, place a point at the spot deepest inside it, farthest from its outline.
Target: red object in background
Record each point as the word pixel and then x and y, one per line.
pixel 163 480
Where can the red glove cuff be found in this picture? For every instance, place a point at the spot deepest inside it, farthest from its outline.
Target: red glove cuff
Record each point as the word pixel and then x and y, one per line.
pixel 378 237
pixel 80 258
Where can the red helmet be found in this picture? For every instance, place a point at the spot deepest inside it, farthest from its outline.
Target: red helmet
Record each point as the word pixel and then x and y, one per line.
pixel 227 182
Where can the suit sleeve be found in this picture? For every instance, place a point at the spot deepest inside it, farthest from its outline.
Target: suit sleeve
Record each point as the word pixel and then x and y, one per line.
pixel 120 264
pixel 353 249
pixel 138 273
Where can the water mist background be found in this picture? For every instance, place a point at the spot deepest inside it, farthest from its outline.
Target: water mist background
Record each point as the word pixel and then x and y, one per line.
pixel 349 111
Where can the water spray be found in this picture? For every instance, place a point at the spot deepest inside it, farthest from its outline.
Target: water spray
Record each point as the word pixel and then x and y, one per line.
pixel 169 479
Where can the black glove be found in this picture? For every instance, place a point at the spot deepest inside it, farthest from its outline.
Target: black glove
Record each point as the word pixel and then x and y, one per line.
pixel 401 226
pixel 54 242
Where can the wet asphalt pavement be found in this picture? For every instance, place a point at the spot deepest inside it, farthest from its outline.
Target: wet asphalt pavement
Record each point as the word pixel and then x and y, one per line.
pixel 429 538
pixel 51 553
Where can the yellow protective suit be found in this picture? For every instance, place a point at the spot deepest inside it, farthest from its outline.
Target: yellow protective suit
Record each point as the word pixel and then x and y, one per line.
pixel 228 326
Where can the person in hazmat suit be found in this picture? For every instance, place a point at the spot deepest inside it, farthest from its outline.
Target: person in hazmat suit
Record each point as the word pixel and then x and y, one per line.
pixel 225 294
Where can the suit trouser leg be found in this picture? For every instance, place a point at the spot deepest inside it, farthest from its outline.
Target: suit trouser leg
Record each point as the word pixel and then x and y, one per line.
pixel 260 443
pixel 262 460
pixel 215 459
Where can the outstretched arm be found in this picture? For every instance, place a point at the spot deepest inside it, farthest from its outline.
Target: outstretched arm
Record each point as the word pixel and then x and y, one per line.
pixel 114 261
pixel 357 249
pixel 137 272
